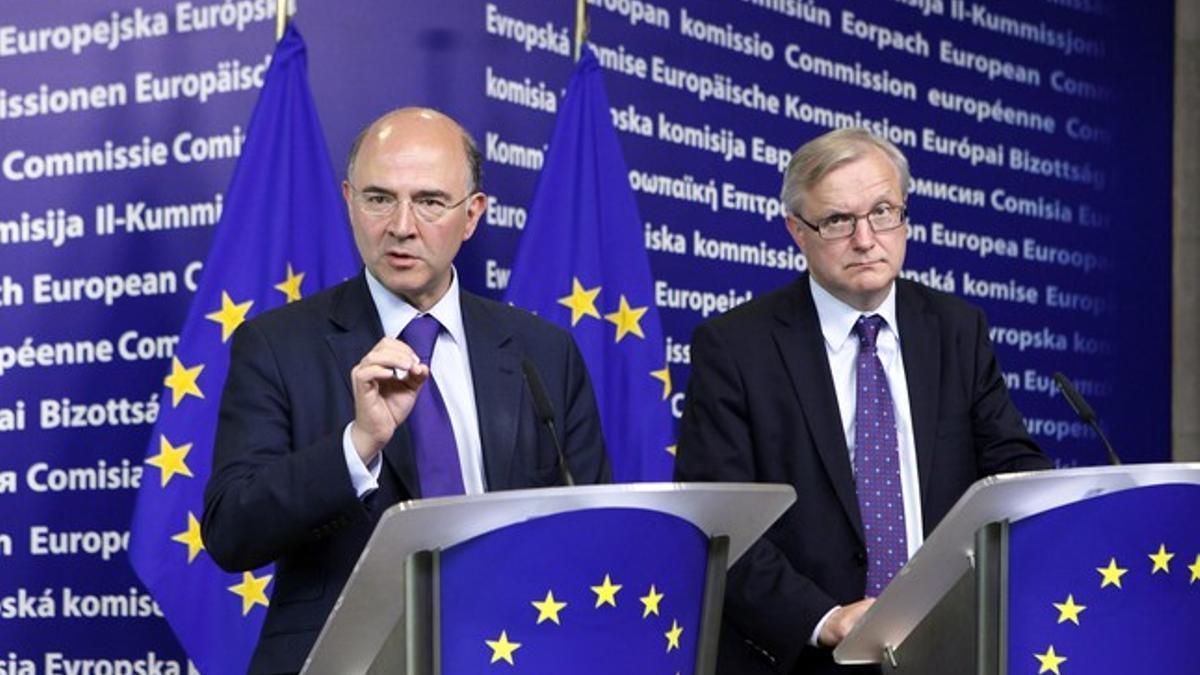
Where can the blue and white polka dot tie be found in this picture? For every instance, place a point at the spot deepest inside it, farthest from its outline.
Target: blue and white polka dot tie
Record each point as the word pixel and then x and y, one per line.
pixel 877 463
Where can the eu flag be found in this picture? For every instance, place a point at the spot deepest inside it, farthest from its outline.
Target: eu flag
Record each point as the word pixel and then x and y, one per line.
pixel 595 591
pixel 1110 584
pixel 582 264
pixel 283 234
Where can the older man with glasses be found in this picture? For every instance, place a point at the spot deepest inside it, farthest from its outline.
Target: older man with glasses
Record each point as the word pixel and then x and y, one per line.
pixel 394 385
pixel 878 399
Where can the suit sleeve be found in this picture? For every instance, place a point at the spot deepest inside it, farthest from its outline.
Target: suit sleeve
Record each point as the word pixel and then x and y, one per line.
pixel 266 497
pixel 767 600
pixel 1001 440
pixel 583 441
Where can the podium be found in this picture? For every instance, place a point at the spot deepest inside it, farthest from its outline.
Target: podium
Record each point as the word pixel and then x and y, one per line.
pixel 1034 573
pixel 392 617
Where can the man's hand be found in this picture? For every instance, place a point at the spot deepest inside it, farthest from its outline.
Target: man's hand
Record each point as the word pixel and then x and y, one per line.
pixel 382 402
pixel 842 621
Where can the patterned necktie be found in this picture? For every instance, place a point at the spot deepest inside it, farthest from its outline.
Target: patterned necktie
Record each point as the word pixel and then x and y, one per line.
pixel 429 423
pixel 877 463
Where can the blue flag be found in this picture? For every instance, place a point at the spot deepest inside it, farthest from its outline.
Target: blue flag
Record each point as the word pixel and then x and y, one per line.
pixel 283 234
pixel 1107 585
pixel 582 264
pixel 584 592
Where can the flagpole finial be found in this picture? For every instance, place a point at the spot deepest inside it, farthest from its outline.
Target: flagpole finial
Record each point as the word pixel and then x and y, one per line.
pixel 581 27
pixel 280 18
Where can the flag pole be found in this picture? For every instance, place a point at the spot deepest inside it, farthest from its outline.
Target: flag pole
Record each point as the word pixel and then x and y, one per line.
pixel 280 18
pixel 581 29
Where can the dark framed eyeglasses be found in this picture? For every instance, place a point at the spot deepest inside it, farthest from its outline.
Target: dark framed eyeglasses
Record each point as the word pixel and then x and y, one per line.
pixel 881 218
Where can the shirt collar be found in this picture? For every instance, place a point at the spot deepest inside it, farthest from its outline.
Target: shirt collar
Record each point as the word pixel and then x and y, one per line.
pixel 395 312
pixel 838 319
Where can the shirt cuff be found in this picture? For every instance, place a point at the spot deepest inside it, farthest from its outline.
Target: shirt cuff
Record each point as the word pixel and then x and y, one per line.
pixel 364 477
pixel 814 640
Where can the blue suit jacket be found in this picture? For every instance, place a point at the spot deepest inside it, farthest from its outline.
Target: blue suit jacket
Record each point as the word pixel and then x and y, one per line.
pixel 280 490
pixel 761 406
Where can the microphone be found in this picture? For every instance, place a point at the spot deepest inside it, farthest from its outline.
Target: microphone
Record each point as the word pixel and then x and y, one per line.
pixel 545 415
pixel 1085 413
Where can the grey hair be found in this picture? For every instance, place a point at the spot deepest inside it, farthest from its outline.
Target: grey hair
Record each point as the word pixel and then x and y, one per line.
pixel 474 159
pixel 816 158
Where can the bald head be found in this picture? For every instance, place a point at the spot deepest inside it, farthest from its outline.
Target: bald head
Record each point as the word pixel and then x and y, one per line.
pixel 426 119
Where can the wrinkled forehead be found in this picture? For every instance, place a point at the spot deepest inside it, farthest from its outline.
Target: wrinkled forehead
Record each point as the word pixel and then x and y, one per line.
pixel 858 169
pixel 850 154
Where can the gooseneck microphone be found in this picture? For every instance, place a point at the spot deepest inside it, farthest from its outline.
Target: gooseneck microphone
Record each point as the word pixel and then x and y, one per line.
pixel 545 414
pixel 1085 413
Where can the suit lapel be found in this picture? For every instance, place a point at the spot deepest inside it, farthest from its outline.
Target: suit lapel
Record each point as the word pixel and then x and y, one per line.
pixel 802 346
pixel 356 329
pixel 496 374
pixel 921 349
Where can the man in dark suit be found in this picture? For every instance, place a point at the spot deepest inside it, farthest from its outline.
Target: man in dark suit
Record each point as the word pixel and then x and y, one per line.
pixel 328 418
pixel 878 399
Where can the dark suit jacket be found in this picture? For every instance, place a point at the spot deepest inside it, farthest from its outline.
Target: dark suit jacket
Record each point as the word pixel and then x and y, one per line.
pixel 280 490
pixel 761 407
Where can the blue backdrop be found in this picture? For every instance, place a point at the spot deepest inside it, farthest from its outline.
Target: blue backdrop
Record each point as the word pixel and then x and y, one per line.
pixel 1038 131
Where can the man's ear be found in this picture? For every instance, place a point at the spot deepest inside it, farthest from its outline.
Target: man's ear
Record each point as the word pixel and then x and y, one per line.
pixel 476 206
pixel 796 229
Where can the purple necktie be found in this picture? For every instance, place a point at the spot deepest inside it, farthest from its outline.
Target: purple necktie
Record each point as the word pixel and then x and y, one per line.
pixel 429 423
pixel 877 463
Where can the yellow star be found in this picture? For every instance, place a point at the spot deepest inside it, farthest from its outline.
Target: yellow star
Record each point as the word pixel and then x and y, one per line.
pixel 182 381
pixel 1161 559
pixel 606 593
pixel 503 649
pixel 291 285
pixel 626 319
pixel 171 460
pixel 230 316
pixel 252 591
pixel 663 376
pixel 1194 568
pixel 673 635
pixel 1069 611
pixel 191 537
pixel 581 301
pixel 1050 661
pixel 651 601
pixel 671 450
pixel 1112 574
pixel 548 608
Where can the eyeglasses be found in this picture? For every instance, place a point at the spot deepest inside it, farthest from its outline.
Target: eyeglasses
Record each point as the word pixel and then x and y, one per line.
pixel 882 218
pixel 427 208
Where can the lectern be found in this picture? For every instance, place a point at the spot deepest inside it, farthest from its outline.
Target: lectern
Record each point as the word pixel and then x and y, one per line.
pixel 1092 570
pixel 509 579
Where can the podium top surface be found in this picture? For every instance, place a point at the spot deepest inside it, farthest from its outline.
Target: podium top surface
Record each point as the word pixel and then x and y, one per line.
pixel 373 599
pixel 741 511
pixel 947 552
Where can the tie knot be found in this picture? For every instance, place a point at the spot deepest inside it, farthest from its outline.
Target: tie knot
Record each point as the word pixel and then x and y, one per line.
pixel 867 328
pixel 421 334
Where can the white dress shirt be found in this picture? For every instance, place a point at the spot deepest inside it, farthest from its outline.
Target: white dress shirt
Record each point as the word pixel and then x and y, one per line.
pixel 841 347
pixel 451 368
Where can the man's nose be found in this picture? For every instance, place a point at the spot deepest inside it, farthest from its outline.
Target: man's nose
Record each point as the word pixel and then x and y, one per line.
pixel 864 234
pixel 403 222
